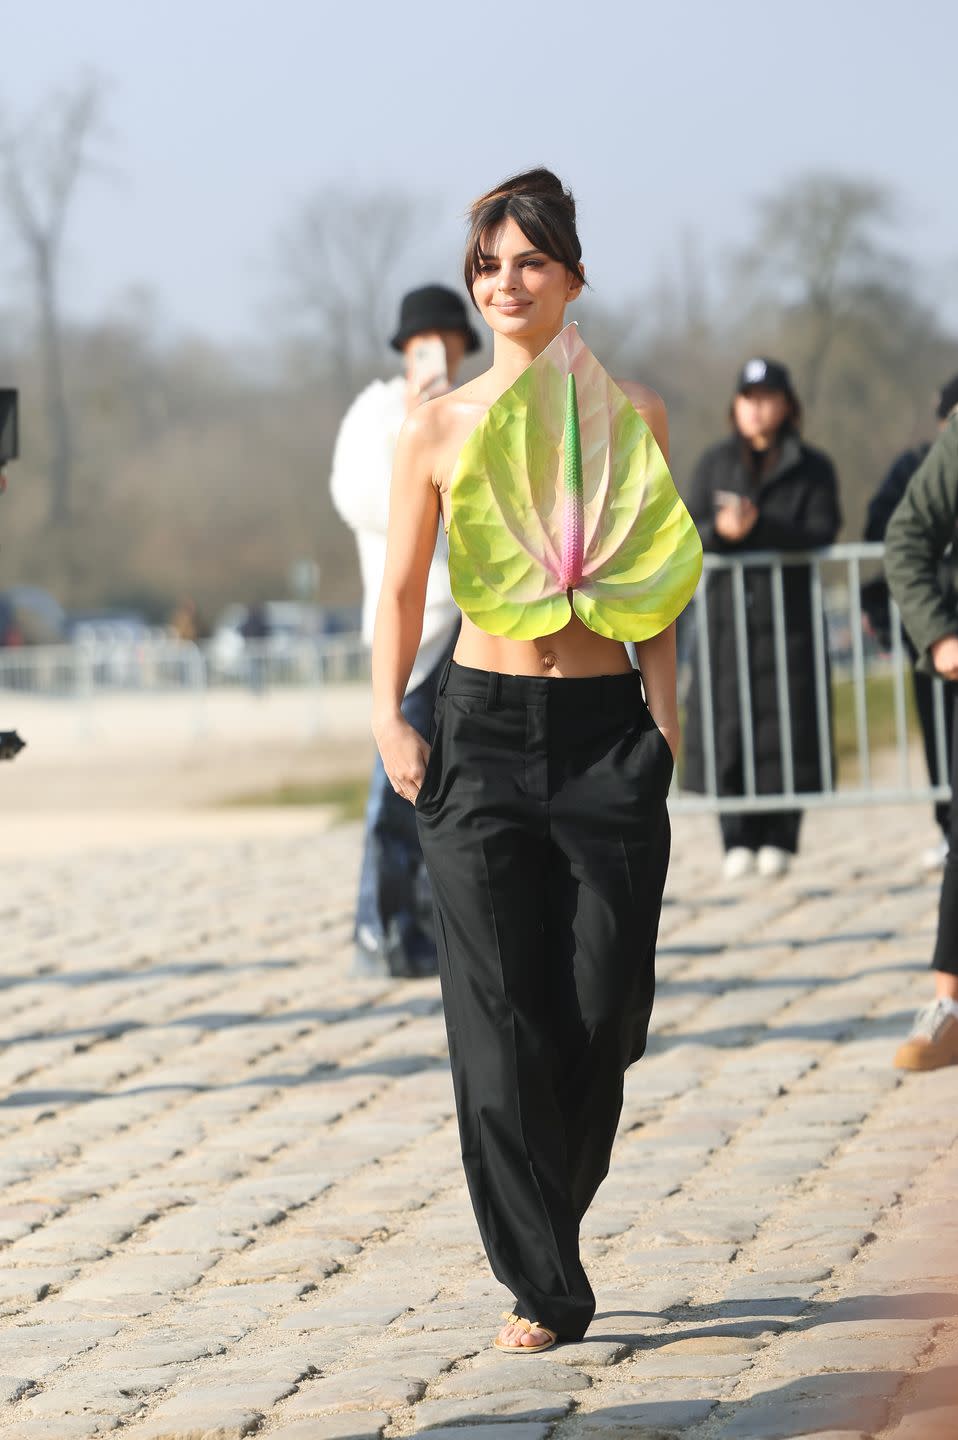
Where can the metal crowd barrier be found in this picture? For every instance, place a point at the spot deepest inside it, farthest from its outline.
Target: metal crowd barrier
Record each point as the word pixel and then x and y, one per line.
pixel 841 655
pixel 164 666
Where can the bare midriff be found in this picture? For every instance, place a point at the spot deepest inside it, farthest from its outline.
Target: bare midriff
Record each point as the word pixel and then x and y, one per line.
pixel 573 652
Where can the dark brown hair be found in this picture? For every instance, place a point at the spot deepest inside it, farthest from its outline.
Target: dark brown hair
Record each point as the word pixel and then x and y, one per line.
pixel 543 209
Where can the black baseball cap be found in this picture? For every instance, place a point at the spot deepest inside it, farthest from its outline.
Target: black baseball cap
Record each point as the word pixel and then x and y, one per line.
pixel 770 374
pixel 947 398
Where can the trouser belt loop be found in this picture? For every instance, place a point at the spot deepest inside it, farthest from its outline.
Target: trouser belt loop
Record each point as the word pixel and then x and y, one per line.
pixel 444 676
pixel 493 690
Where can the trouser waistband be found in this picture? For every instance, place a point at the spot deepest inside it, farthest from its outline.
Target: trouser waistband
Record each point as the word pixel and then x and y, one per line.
pixel 508 691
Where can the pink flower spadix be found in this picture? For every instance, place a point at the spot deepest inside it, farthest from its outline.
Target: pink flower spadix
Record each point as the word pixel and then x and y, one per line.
pixel 561 493
pixel 570 570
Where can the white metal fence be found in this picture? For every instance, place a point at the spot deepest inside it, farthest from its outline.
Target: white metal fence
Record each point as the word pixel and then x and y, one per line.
pixel 164 665
pixel 842 655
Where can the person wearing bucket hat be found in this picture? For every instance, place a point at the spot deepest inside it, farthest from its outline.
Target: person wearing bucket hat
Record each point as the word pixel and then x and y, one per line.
pixel 393 928
pixel 762 488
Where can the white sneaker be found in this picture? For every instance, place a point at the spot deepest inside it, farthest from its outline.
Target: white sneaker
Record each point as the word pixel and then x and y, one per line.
pixel 935 856
pixel 773 861
pixel 739 862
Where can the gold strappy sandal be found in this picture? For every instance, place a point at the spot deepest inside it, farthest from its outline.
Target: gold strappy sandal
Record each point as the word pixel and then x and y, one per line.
pixel 527 1326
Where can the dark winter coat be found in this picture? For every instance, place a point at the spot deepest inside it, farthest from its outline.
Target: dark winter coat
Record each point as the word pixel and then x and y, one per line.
pixel 919 533
pixel 881 507
pixel 797 499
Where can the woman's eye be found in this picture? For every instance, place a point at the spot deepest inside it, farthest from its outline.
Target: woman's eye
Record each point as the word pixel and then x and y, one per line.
pixel 533 264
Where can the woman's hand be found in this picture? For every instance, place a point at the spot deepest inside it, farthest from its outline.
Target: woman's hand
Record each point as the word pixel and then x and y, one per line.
pixel 673 736
pixel 405 755
pixel 734 522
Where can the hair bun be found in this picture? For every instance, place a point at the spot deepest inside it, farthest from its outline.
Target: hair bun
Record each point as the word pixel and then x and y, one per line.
pixel 539 181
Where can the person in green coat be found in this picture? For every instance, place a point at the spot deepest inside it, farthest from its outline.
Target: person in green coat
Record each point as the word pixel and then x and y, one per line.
pixel 919 532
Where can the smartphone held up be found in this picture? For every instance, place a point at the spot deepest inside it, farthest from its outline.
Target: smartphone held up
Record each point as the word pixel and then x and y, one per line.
pixel 428 373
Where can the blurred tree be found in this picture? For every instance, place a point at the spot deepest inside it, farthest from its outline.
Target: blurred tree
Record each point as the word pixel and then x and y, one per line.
pixel 344 261
pixel 818 251
pixel 40 166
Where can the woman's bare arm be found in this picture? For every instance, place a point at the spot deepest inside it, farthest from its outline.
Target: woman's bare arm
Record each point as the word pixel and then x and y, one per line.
pixel 410 545
pixel 657 664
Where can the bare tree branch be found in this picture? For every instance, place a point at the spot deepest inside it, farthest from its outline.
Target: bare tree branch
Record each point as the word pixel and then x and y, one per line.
pixel 341 259
pixel 817 249
pixel 41 166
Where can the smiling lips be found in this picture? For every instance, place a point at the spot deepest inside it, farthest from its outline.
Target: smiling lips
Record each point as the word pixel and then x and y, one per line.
pixel 514 305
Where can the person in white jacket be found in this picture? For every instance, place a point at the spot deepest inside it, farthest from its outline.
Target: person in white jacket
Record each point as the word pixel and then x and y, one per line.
pixel 393 932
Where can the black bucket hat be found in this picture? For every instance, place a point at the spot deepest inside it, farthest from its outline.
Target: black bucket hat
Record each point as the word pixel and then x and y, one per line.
pixel 433 307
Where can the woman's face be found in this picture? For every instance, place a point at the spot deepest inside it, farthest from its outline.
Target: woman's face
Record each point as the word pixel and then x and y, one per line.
pixel 520 290
pixel 759 412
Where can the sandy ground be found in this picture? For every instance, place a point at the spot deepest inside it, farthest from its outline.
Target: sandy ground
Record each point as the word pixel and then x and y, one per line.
pixel 124 770
pixel 120 770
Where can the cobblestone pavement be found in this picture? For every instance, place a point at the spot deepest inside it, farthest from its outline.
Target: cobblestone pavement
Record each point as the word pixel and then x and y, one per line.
pixel 232 1201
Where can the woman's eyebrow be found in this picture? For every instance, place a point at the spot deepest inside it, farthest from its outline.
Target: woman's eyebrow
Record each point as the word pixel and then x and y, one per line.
pixel 486 256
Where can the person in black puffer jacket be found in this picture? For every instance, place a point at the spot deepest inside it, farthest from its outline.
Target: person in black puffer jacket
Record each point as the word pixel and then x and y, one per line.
pixel 762 488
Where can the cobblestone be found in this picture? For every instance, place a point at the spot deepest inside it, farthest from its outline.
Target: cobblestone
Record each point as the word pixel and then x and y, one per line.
pixel 232 1199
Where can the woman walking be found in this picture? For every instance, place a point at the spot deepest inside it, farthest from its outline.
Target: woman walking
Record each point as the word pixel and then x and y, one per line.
pixel 541 804
pixel 762 488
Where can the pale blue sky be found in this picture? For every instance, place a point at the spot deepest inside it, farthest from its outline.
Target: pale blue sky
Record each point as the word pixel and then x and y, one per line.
pixel 665 120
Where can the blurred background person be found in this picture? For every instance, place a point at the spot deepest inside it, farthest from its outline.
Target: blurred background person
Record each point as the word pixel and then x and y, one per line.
pixel 10 742
pixel 255 631
pixel 762 488
pixel 185 622
pixel 393 934
pixel 920 531
pixel 875 601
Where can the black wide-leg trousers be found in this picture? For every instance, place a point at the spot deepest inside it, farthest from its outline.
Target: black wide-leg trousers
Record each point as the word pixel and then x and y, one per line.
pixel 544 828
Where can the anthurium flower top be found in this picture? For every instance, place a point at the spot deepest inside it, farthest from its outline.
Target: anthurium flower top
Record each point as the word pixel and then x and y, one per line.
pixel 561 500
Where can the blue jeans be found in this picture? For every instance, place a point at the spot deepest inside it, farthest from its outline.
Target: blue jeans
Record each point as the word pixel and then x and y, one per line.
pixel 394 927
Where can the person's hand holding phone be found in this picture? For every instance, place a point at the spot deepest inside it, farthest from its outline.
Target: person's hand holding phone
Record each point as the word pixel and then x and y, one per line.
pixel 735 515
pixel 427 375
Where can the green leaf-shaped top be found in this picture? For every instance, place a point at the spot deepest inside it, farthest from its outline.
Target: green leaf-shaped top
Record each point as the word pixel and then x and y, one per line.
pixel 561 494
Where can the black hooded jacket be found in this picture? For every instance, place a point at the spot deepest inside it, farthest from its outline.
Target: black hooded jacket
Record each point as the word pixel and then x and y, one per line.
pixel 797 499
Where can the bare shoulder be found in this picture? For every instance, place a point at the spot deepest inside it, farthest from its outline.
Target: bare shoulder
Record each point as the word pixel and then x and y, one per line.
pixel 651 407
pixel 646 400
pixel 431 422
pixel 422 432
